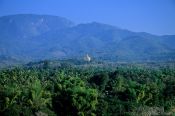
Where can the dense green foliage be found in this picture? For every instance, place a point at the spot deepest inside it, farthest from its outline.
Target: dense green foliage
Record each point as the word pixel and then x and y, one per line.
pixel 68 91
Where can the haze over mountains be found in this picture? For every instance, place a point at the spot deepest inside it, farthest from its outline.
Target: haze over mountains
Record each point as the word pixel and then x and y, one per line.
pixel 28 37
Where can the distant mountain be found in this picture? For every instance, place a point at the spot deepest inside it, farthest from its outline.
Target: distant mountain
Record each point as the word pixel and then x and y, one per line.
pixel 29 37
pixel 18 33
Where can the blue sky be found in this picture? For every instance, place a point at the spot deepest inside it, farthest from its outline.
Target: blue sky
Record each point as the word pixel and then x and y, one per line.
pixel 153 16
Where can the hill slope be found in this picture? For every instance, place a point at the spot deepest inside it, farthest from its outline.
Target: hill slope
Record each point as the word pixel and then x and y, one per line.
pixel 30 37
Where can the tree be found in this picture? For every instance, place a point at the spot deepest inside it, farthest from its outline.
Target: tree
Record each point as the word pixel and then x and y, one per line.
pixel 100 80
pixel 72 97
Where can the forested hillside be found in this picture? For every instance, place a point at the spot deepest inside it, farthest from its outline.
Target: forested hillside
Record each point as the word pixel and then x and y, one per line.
pixel 42 89
pixel 29 37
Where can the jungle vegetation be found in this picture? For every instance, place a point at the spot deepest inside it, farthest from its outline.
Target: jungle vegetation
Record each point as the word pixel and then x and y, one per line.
pixel 87 91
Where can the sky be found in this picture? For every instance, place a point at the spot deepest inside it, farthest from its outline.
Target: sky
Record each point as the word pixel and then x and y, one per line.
pixel 152 16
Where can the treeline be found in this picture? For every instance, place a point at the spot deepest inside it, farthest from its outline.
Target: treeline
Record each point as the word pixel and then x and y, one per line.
pixel 68 91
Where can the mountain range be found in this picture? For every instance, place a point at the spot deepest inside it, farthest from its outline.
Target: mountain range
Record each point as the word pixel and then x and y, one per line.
pixel 29 37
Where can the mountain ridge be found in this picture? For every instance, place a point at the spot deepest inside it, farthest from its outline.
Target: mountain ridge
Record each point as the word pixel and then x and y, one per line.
pixel 36 37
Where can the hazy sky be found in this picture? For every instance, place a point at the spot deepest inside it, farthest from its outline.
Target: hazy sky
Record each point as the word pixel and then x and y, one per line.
pixel 153 16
